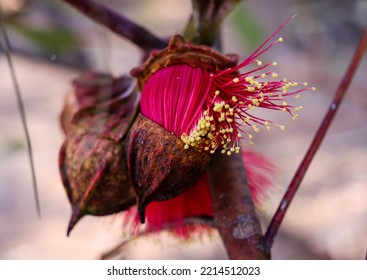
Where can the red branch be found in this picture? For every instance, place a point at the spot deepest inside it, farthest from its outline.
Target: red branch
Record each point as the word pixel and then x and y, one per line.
pixel 235 215
pixel 319 136
pixel 118 24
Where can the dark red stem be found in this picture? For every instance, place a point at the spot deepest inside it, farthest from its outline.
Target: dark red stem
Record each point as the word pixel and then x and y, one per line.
pixel 119 24
pixel 320 135
pixel 206 19
pixel 235 215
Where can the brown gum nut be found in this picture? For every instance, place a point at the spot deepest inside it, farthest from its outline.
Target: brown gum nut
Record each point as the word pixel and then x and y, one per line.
pixel 160 168
pixel 94 174
pixel 180 52
pixel 93 166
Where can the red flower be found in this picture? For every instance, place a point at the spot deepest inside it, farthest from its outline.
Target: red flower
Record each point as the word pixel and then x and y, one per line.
pixel 208 102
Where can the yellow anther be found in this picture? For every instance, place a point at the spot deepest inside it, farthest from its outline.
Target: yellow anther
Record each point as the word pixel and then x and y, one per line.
pixel 250 136
pixel 313 88
pixel 285 88
pixel 295 116
pixel 234 99
pixel 274 75
pixel 305 84
pixel 255 129
pixel 218 106
pixel 299 108
pixel 266 123
pixel 222 117
pixel 284 80
pixel 217 92
pixel 280 39
pixel 284 103
pixel 274 63
pixel 251 89
pixel 229 120
pixel 212 151
pixel 263 75
pixel 255 102
pixel 298 96
pixel 223 151
pixel 229 153
pixel 239 135
pixel 236 80
pixel 249 78
pixel 206 148
pixel 282 127
pixel 259 62
pixel 186 146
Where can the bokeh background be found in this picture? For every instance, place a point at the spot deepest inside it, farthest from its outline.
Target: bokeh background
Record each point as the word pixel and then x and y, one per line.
pixel 52 44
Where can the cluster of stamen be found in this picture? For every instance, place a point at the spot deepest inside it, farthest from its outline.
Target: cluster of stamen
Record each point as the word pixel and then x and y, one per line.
pixel 230 104
pixel 213 111
pixel 213 131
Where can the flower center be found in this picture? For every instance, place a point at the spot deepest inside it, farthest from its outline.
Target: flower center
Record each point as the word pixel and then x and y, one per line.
pixel 213 110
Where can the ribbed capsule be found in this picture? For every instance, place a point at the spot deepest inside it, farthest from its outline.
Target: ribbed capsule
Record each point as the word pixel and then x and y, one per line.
pixel 160 167
pixel 92 159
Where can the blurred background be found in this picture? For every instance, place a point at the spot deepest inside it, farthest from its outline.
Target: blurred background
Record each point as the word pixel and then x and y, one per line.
pixel 52 44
